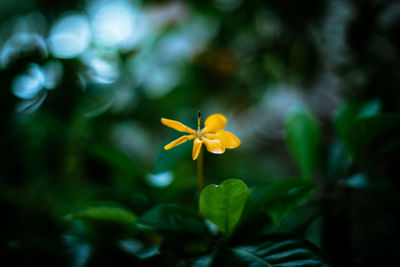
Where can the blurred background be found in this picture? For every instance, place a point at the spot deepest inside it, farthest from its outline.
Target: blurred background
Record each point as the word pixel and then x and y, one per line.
pixel 85 83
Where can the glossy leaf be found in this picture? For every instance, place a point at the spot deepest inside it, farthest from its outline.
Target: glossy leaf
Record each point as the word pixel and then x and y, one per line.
pixel 106 214
pixel 278 250
pixel 278 199
pixel 166 217
pixel 223 204
pixel 302 135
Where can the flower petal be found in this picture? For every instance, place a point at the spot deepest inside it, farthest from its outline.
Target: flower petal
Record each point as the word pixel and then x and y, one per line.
pixel 214 146
pixel 178 141
pixel 196 148
pixel 214 123
pixel 229 140
pixel 177 126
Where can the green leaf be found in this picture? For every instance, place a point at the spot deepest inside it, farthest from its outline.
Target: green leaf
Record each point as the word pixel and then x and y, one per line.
pixel 223 204
pixel 279 198
pixel 279 250
pixel 106 214
pixel 302 135
pixel 166 217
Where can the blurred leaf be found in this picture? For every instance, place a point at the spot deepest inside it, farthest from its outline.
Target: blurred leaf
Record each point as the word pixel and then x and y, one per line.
pixel 358 124
pixel 115 158
pixel 138 248
pixel 302 135
pixel 369 109
pixel 172 217
pixel 363 181
pixel 337 161
pixel 363 131
pixel 279 250
pixel 358 180
pixel 23 46
pixel 204 261
pixel 237 257
pixel 168 159
pixel 107 214
pixel 223 204
pixel 278 199
pixel 282 207
pixel 96 102
pixel 345 115
pixel 348 112
pixel 181 243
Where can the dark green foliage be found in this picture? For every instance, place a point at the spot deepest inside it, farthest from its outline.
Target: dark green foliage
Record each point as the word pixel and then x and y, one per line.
pixel 170 217
pixel 279 198
pixel 277 250
pixel 185 239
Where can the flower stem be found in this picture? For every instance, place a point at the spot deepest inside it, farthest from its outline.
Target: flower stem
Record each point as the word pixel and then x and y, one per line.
pixel 200 176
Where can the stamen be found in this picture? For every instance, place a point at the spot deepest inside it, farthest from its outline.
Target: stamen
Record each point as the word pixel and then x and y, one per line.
pixel 198 120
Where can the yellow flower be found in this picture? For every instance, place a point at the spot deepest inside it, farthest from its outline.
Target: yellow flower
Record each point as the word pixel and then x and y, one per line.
pixel 212 135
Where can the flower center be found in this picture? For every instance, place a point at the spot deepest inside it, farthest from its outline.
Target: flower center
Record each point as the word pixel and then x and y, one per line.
pixel 198 134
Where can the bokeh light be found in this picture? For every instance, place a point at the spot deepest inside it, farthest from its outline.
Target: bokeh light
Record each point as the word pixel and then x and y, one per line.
pixel 28 85
pixel 113 23
pixel 70 36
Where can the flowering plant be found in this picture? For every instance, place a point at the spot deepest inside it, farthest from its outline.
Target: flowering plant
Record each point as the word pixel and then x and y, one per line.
pixel 212 135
